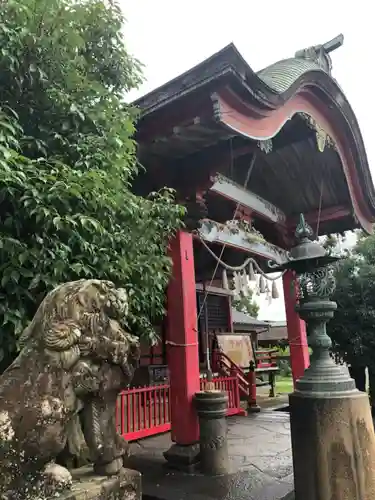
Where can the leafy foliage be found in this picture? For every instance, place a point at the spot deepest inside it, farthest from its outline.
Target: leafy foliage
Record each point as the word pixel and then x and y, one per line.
pixel 246 304
pixel 67 160
pixel 330 241
pixel 352 328
pixel 285 367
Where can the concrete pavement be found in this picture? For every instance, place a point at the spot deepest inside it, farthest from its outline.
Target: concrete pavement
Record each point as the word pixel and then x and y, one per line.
pixel 260 457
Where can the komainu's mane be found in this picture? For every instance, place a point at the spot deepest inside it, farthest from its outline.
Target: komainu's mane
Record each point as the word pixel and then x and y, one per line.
pixel 69 301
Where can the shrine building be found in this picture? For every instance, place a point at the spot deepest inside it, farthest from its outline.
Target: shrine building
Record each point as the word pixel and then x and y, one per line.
pixel 246 152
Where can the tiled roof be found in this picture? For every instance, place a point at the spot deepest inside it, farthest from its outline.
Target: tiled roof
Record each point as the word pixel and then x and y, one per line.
pixel 241 318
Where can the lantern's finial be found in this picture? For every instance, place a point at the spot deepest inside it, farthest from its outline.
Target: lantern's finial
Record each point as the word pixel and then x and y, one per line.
pixel 303 230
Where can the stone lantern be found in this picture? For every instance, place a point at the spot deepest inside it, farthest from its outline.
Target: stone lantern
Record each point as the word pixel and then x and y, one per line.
pixel 314 271
pixel 331 426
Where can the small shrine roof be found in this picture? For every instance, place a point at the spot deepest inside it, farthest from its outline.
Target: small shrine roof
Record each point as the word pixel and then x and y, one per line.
pixel 241 318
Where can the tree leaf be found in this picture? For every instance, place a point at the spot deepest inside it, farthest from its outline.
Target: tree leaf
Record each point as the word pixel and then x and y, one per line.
pixel 68 161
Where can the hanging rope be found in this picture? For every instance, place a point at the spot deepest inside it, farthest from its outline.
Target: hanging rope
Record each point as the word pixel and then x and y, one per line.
pixel 242 266
pixel 320 209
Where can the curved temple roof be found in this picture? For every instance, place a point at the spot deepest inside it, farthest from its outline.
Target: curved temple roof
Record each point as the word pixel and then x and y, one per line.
pixel 257 105
pixel 281 76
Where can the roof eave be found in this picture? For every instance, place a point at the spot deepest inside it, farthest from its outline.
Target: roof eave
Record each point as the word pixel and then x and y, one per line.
pixel 228 62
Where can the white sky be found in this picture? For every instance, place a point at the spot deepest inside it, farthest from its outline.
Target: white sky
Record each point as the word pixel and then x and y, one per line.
pixel 169 37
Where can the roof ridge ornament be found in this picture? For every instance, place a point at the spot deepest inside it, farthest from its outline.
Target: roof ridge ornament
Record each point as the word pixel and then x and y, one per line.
pixel 320 53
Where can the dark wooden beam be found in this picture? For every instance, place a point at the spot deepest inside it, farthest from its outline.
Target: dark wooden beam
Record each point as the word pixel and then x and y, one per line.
pixel 325 215
pixel 230 190
pixel 218 155
pixel 175 114
pixel 213 234
pixel 170 131
pixel 197 171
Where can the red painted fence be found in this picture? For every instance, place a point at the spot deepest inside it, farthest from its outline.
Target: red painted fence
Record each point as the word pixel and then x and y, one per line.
pixel 230 386
pixel 266 358
pixel 145 411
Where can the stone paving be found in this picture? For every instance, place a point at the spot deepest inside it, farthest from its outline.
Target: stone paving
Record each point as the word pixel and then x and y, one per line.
pixel 260 456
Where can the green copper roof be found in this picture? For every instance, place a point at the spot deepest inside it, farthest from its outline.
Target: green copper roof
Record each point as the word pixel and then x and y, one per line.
pixel 281 75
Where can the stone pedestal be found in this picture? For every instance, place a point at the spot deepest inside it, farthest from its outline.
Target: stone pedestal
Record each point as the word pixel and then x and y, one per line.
pixel 213 443
pixel 126 485
pixel 333 447
pixel 182 457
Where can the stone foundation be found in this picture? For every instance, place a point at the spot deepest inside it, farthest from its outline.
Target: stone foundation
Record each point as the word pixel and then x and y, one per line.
pixel 333 447
pixel 182 457
pixel 126 485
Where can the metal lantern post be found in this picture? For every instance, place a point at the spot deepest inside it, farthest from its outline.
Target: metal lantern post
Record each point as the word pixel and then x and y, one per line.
pixel 333 437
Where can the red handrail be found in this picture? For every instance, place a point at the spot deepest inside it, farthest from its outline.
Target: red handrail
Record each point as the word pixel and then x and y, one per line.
pixel 226 366
pixel 266 359
pixel 231 387
pixel 143 412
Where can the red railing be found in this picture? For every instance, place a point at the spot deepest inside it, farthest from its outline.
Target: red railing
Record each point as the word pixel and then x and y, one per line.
pixel 224 365
pixel 230 386
pixel 266 359
pixel 145 411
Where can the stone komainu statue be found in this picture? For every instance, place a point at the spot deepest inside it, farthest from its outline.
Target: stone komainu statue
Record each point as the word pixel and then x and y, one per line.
pixel 61 391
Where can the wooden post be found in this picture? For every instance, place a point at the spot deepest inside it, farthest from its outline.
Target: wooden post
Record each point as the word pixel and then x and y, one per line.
pixel 299 351
pixel 253 406
pixel 183 354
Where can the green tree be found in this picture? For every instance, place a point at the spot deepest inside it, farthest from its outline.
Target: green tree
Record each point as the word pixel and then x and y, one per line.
pixel 67 161
pixel 246 304
pixel 330 241
pixel 352 328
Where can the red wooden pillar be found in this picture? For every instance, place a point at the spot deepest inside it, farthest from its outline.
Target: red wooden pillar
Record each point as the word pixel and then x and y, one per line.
pixel 182 353
pixel 252 404
pixel 299 351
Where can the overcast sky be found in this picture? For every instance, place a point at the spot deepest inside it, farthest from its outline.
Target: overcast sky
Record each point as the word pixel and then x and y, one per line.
pixel 170 37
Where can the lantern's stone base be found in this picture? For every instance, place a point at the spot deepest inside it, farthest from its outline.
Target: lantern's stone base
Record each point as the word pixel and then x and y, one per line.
pixel 183 457
pixel 126 485
pixel 333 444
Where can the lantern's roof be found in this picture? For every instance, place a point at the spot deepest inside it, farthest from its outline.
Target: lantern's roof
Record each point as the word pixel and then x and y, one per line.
pixel 193 120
